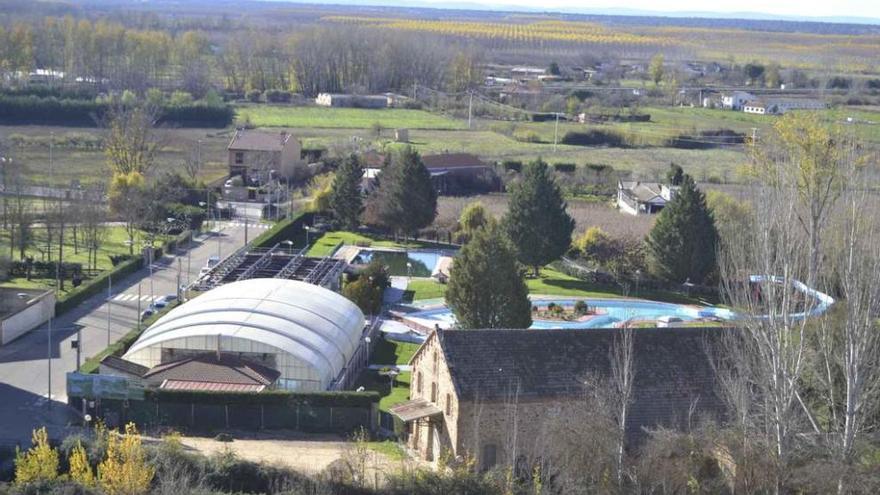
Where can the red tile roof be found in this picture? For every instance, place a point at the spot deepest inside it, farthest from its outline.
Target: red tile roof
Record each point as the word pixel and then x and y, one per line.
pixel 210 387
pixel 452 160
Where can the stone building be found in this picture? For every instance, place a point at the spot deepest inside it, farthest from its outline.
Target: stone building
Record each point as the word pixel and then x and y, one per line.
pixel 485 394
pixel 256 156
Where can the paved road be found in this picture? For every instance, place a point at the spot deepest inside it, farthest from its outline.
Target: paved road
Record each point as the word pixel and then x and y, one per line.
pixel 24 370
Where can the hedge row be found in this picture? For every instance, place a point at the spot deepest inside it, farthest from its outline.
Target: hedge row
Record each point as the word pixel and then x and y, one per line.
pixel 268 397
pixel 283 230
pixel 33 110
pixel 96 285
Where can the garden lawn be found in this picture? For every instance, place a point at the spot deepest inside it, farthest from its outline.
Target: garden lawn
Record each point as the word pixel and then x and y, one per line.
pixel 113 244
pixel 371 380
pixel 552 282
pixel 390 352
pixel 426 289
pixel 337 118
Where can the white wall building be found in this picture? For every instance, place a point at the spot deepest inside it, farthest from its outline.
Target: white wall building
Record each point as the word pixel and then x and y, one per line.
pixel 306 332
pixel 735 100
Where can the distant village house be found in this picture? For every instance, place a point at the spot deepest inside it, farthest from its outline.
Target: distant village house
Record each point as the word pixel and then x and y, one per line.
pixel 254 154
pixel 354 101
pixel 637 198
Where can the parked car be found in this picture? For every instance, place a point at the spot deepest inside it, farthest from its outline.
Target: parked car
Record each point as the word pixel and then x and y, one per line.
pixel 212 260
pixel 164 301
pixel 147 313
pixel 204 271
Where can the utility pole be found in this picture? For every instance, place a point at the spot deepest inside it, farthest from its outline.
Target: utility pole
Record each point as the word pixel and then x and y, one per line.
pixel 754 135
pixel 556 132
pixel 179 270
pixel 245 228
pixel 199 156
pixel 109 304
pixel 139 306
pixel 470 107
pixel 49 342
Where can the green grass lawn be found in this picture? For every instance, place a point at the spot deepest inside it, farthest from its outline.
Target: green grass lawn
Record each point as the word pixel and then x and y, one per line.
pixel 327 243
pixel 351 118
pixel 388 352
pixel 113 244
pixel 371 380
pixel 426 289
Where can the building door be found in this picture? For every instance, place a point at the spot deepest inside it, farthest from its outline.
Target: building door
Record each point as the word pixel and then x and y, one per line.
pixel 435 444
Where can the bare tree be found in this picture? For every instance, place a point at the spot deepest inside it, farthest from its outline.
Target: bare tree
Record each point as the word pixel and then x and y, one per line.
pixel 131 141
pixel 848 342
pixel 759 270
pixel 622 376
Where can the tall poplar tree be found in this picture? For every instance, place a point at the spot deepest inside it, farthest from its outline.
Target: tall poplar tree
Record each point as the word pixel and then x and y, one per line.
pixel 537 220
pixel 486 288
pixel 345 196
pixel 683 242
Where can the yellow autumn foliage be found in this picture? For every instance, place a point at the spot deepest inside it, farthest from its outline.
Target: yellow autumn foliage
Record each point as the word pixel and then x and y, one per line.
pixel 80 469
pixel 125 470
pixel 40 463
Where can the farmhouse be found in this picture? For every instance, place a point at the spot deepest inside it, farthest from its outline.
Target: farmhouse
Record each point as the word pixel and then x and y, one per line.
pixel 735 100
pixel 454 173
pixel 354 101
pixel 306 333
pixel 489 393
pixel 451 173
pixel 637 197
pixel 253 154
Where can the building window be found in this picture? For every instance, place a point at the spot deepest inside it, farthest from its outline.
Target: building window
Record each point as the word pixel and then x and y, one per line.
pixel 239 157
pixel 488 459
pixel 419 383
pixel 434 392
pixel 435 362
pixel 448 404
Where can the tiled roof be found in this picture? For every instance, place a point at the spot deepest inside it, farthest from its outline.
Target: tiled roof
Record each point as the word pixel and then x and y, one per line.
pixel 208 368
pixel 248 140
pixel 452 160
pixel 642 191
pixel 119 364
pixel 210 386
pixel 672 370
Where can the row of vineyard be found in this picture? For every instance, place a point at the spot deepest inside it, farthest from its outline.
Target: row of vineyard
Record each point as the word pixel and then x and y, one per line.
pixel 557 31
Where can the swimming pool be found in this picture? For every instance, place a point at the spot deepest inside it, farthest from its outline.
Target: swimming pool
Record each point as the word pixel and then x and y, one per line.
pixel 610 313
pixel 422 263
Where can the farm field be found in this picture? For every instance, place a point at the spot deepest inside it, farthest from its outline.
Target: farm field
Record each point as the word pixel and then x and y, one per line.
pixel 77 153
pixel 351 118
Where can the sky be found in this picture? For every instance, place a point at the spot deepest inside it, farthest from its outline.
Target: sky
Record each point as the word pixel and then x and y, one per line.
pixel 797 8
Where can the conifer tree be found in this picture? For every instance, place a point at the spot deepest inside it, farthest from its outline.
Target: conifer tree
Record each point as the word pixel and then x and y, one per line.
pixel 345 197
pixel 537 221
pixel 405 200
pixel 486 288
pixel 682 244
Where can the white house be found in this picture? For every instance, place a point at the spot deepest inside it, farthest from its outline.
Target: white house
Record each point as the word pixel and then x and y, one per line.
pixel 735 100
pixel 637 198
pixel 758 107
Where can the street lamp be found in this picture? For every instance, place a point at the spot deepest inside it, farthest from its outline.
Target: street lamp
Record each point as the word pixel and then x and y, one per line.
pixel 288 242
pixel 409 269
pixel 307 229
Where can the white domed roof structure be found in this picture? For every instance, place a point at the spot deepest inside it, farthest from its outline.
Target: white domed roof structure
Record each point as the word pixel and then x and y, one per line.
pixel 306 332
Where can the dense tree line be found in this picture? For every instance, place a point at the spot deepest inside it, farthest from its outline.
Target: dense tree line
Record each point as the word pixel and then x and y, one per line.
pixel 113 56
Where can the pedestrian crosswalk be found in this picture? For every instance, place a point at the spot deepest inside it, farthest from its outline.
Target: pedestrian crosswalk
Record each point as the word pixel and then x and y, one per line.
pixel 250 225
pixel 134 297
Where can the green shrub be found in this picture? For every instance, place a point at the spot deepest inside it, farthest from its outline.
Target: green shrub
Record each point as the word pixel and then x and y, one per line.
pixel 94 286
